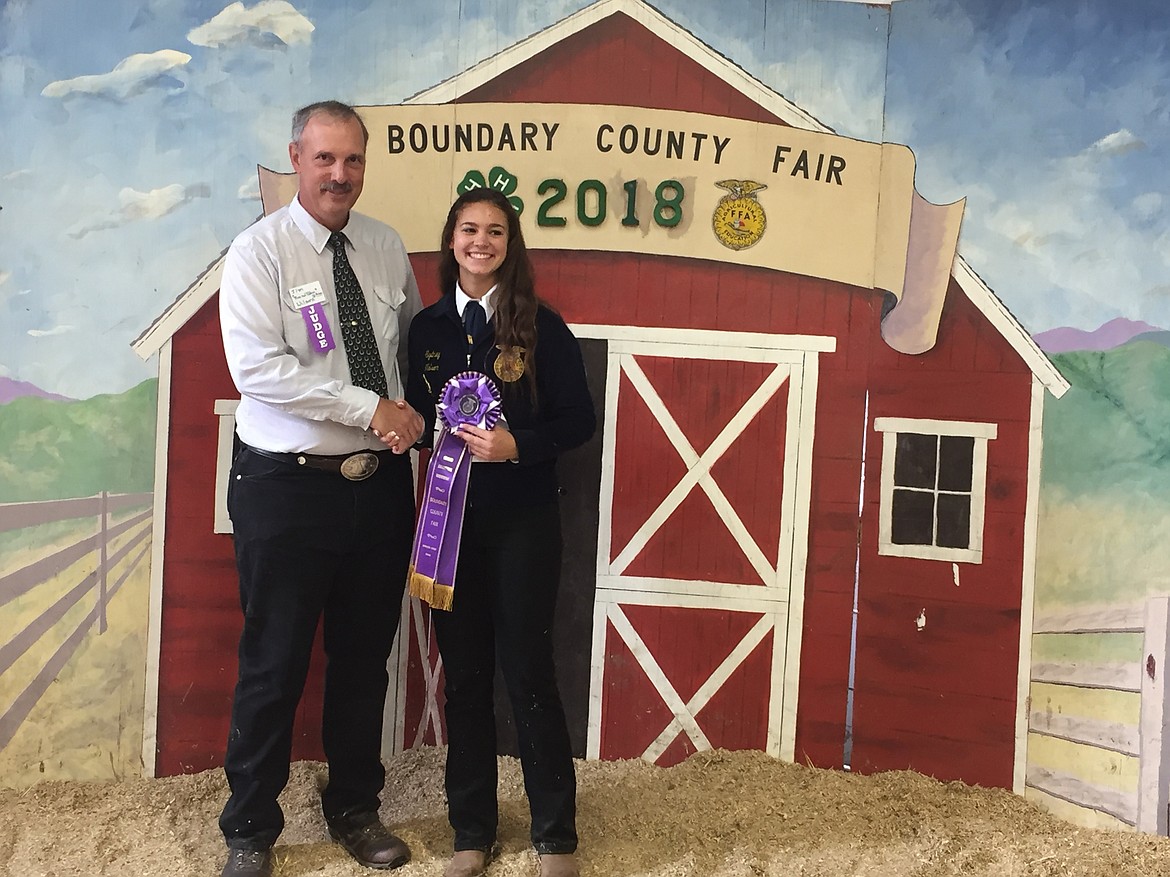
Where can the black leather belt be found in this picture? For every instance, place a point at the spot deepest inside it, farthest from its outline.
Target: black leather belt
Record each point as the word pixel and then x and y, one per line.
pixel 357 466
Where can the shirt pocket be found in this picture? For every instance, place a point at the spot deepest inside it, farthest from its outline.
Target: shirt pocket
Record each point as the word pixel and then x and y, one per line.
pixel 386 304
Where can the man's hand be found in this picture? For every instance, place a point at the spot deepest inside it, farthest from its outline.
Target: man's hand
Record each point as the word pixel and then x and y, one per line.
pixel 494 444
pixel 396 424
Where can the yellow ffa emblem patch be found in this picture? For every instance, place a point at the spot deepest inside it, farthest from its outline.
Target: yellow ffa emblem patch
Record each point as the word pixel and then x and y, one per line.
pixel 509 365
pixel 739 219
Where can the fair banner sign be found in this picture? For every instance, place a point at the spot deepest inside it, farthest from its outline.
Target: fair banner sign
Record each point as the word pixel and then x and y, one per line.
pixel 667 183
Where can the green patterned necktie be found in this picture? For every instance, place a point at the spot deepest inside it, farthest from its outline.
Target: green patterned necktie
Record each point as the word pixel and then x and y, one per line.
pixel 361 348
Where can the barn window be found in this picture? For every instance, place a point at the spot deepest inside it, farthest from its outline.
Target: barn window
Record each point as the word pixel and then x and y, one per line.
pixel 934 478
pixel 225 409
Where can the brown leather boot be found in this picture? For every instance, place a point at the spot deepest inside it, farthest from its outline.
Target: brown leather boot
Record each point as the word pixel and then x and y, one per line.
pixel 248 863
pixel 369 841
pixel 558 865
pixel 470 863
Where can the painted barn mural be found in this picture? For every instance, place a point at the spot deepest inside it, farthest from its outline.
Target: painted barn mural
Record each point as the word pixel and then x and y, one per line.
pixel 874 306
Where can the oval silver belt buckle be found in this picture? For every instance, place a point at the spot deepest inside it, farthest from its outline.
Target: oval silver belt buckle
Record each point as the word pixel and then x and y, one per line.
pixel 359 467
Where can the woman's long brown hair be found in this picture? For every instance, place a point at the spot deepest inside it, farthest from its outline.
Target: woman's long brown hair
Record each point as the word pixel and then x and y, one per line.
pixel 515 297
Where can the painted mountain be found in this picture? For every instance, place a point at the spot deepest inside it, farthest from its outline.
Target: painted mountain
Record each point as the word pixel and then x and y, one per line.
pixel 1112 334
pixel 12 389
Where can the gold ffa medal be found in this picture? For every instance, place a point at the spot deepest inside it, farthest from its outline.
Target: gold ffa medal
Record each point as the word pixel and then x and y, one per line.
pixel 509 364
pixel 739 219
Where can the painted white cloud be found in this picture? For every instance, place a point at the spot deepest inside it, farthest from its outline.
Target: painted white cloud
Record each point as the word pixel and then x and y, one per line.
pixel 259 25
pixel 1117 143
pixel 1075 260
pixel 17 174
pixel 46 333
pixel 249 189
pixel 1064 239
pixel 136 206
pixel 4 275
pixel 130 77
pixel 154 204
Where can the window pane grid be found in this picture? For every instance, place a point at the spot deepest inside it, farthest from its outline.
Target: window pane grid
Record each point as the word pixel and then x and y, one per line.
pixel 933 477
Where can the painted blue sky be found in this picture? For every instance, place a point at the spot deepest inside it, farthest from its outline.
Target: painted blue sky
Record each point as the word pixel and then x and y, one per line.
pixel 132 129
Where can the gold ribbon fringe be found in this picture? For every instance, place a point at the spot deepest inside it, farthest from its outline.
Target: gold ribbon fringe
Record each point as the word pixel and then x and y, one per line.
pixel 434 594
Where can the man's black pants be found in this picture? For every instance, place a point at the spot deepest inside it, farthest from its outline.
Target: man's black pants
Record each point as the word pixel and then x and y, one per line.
pixel 311 545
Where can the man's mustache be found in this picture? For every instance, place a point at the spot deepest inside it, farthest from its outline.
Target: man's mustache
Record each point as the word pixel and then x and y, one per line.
pixel 336 188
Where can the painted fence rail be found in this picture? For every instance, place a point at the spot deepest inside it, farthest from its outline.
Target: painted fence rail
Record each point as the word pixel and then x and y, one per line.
pixel 16 583
pixel 1147 808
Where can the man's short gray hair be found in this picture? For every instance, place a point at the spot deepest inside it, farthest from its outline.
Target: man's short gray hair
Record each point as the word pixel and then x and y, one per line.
pixel 333 108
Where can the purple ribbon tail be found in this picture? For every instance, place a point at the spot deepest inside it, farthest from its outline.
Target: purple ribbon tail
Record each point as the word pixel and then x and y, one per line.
pixel 440 523
pixel 467 398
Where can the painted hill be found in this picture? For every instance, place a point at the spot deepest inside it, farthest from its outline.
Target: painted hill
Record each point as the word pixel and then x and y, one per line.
pixel 1112 430
pixel 1158 336
pixel 54 449
pixel 1112 334
pixel 13 389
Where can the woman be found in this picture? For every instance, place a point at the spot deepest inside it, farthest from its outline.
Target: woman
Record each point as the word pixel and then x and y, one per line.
pixel 510 550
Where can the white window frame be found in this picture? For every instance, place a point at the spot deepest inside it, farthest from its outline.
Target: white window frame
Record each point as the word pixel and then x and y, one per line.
pixel 891 428
pixel 225 410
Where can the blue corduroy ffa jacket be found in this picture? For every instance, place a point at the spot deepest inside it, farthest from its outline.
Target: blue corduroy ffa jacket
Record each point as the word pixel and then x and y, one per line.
pixel 563 418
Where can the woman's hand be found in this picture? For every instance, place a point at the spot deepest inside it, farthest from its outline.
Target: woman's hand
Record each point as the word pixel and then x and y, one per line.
pixel 494 444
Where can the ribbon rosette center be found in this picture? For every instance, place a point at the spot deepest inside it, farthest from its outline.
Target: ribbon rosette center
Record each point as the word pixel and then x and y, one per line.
pixel 470 398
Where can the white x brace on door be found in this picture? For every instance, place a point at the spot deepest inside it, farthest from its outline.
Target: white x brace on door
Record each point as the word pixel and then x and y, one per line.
pixel 703 539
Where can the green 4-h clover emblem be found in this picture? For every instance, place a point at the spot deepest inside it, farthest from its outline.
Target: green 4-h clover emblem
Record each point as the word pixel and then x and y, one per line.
pixel 497 178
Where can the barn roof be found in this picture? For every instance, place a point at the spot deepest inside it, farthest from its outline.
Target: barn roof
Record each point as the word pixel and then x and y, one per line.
pixel 207 283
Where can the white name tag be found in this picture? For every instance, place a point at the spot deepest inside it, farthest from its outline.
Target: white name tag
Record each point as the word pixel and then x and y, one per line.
pixel 307 294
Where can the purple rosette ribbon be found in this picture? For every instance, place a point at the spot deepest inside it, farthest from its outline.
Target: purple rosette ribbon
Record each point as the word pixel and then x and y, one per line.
pixel 469 398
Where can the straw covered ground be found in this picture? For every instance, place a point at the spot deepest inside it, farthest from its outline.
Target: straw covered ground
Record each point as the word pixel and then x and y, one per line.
pixel 719 814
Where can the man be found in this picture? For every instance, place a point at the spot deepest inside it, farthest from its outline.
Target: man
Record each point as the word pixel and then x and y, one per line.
pixel 314 328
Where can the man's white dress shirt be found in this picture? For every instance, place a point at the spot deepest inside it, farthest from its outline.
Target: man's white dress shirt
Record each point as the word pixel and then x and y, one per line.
pixel 292 397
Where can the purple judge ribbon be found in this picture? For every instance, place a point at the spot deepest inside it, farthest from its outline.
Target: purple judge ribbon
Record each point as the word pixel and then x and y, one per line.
pixel 469 398
pixel 320 335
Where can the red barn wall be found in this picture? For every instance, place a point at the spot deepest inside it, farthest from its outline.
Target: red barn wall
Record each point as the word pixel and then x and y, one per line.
pixel 618 61
pixel 972 374
pixel 635 290
pixel 201 617
pixel 629 66
pixel 942 703
pixel 942 700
